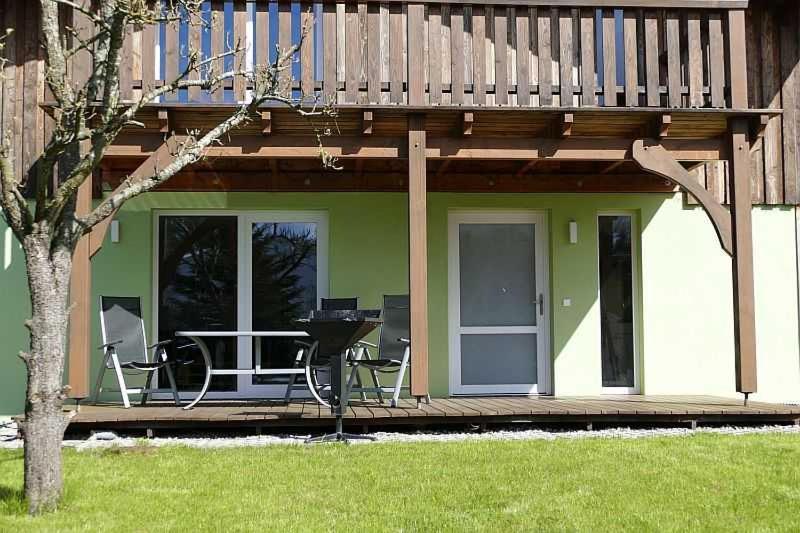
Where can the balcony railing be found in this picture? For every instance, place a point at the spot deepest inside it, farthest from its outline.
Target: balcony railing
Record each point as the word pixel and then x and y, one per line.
pixel 438 53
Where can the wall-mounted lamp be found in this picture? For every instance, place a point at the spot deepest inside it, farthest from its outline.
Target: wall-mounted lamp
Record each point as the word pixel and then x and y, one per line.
pixel 114 231
pixel 573 232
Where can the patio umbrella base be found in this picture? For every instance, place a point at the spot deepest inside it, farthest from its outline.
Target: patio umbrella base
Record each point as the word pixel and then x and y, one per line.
pixel 338 436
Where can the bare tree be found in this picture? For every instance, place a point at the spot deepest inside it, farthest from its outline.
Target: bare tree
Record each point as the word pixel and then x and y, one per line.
pixel 88 117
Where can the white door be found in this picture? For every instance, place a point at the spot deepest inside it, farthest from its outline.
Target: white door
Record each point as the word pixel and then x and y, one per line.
pixel 498 303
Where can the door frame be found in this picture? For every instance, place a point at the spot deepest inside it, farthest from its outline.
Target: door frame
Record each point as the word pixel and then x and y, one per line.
pixel 635 281
pixel 244 350
pixel 542 268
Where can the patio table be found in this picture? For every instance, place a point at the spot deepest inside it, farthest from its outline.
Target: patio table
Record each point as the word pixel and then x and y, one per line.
pixel 336 332
pixel 198 337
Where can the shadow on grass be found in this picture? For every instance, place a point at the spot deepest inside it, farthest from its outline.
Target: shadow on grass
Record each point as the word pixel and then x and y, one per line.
pixel 12 501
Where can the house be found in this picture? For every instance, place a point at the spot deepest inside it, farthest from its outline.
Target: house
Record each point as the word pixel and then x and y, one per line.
pixel 581 197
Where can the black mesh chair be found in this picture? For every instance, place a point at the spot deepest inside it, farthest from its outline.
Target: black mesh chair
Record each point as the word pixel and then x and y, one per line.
pixel 394 349
pixel 125 349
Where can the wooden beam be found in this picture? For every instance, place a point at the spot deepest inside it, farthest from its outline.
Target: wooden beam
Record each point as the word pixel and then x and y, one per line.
pixel 366 123
pixel 567 119
pixel 759 127
pixel 380 147
pixel 612 166
pixel 664 122
pixel 443 168
pixel 743 282
pixel 163 121
pixel 652 157
pixel 80 293
pixel 266 122
pixel 527 167
pixel 418 254
pixel 157 160
pixel 467 120
pixel 373 181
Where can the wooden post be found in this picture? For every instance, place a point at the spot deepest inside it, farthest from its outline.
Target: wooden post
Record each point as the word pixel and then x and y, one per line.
pixel 81 296
pixel 744 323
pixel 743 286
pixel 418 254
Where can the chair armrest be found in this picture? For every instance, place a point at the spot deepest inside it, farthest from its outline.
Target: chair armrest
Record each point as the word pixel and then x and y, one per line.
pixel 160 344
pixel 303 344
pixel 108 345
pixel 365 343
pixel 404 341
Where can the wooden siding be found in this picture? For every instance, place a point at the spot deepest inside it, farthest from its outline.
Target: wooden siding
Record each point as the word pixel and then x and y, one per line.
pixel 773 76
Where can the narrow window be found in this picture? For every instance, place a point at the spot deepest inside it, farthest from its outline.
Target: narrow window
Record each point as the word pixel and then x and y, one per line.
pixel 616 301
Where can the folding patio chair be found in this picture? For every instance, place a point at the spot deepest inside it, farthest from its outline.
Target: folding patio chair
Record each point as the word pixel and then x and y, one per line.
pixel 125 349
pixel 306 352
pixel 394 349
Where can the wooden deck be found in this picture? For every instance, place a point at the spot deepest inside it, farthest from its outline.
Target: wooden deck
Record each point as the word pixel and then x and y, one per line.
pixel 585 411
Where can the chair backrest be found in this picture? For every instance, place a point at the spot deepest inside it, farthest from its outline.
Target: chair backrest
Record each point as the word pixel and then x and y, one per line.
pixel 121 320
pixel 339 304
pixel 396 325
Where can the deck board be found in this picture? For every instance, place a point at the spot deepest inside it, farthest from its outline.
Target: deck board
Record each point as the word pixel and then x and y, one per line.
pixel 489 409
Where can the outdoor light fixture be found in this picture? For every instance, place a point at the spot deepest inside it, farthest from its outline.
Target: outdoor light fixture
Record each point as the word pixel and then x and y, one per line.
pixel 115 231
pixel 573 232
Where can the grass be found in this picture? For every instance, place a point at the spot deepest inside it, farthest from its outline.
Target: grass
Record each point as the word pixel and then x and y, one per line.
pixel 702 482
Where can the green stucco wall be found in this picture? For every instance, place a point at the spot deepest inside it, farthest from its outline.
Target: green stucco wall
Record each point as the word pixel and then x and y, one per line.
pixel 684 293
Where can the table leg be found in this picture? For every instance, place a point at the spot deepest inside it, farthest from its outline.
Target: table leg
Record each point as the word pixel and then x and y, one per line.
pixel 207 359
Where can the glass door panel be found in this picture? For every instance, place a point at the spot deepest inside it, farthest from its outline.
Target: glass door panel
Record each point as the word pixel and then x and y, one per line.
pixel 197 290
pixel 284 286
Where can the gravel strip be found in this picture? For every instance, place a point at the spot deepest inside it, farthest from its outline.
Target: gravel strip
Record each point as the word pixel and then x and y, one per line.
pixel 108 439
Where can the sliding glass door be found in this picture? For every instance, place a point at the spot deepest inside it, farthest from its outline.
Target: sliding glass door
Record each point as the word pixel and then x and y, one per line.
pixel 239 271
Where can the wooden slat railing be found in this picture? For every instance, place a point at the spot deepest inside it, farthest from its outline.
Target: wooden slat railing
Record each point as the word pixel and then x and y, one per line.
pixel 482 55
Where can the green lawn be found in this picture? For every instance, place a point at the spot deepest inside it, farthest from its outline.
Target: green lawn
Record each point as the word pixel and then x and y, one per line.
pixel 706 482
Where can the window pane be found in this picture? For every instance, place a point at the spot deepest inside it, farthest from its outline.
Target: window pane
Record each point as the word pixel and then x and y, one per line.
pixel 498 282
pixel 616 301
pixel 498 359
pixel 197 291
pixel 284 286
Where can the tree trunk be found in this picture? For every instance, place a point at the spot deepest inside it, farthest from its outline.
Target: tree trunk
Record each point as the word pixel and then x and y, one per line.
pixel 45 422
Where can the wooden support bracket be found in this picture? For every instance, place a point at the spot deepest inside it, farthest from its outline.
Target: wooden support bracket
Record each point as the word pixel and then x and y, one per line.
pixel 652 157
pixel 366 123
pixel 467 119
pixel 567 120
pixel 266 122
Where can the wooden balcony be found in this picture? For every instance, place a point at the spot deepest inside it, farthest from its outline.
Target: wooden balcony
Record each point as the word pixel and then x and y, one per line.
pixel 524 54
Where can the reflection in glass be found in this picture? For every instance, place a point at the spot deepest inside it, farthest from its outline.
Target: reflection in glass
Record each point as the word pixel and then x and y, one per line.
pixel 197 273
pixel 616 301
pixel 284 286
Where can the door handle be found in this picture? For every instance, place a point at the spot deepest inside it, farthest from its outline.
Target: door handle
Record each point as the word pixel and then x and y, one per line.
pixel 540 303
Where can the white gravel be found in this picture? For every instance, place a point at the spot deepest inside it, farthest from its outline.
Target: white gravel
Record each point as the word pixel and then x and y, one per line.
pixel 107 439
